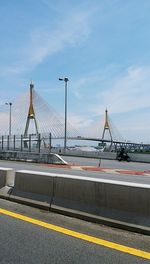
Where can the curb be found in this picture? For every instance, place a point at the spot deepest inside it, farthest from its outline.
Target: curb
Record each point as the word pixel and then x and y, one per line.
pixel 101 220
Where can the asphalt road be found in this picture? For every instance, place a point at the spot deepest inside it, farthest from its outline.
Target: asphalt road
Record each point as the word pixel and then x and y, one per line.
pixel 105 164
pixel 108 163
pixel 22 242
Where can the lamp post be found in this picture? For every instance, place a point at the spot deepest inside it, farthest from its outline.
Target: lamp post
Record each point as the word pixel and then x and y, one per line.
pixel 65 137
pixel 10 105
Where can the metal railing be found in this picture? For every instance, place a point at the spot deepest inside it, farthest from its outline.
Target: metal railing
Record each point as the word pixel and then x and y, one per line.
pixel 31 143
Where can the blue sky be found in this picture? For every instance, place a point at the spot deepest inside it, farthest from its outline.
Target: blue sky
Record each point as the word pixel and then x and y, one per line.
pixel 103 47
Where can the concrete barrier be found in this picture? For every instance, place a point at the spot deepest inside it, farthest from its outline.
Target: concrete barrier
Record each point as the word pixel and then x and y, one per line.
pixel 139 157
pixel 50 158
pixel 90 154
pixel 7 176
pixel 116 203
pixel 60 159
pixel 35 188
pixel 135 157
pixel 124 204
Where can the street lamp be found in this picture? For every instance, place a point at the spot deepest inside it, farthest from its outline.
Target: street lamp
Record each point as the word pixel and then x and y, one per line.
pixel 10 105
pixel 66 81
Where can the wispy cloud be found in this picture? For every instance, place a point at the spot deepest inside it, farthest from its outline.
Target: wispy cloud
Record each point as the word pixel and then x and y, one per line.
pixel 119 89
pixel 127 92
pixel 43 42
pixel 71 32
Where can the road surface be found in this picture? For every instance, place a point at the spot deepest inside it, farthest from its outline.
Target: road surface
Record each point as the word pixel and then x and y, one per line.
pixel 24 241
pixel 101 175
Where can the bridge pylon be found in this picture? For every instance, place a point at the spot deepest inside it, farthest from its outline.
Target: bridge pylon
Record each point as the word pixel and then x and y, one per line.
pixel 107 126
pixel 31 115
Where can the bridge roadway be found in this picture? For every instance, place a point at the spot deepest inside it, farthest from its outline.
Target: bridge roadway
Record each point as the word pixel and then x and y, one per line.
pixel 117 142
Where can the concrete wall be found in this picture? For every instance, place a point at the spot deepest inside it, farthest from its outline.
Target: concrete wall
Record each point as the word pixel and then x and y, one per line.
pixel 7 176
pixel 33 187
pixel 120 202
pixel 2 178
pixel 136 157
pixel 50 158
pixel 90 154
pixel 140 157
